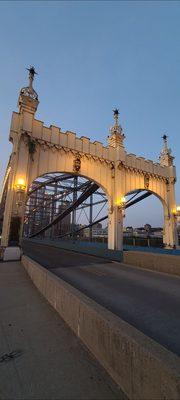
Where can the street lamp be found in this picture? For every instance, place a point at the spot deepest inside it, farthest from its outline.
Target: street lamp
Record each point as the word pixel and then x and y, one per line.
pixel 178 213
pixel 120 203
pixel 178 210
pixel 20 188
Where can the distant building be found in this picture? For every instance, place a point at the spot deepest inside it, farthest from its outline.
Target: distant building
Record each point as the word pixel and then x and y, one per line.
pixel 97 231
pixel 63 226
pixel 143 231
pixel 128 231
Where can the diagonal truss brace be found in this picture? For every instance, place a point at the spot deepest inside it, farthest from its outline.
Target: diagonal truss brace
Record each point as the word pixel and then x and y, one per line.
pixel 91 188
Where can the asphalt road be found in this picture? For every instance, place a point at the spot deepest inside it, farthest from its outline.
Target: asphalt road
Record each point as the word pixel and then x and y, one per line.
pixel 150 301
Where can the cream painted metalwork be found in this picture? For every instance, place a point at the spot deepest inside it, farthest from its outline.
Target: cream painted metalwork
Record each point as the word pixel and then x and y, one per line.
pixel 38 150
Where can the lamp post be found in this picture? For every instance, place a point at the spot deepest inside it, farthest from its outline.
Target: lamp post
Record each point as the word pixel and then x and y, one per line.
pixel 176 213
pixel 178 223
pixel 20 188
pixel 121 202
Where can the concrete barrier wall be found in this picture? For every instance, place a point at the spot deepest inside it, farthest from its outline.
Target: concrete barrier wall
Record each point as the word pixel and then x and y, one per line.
pixel 94 249
pixel 168 264
pixel 142 368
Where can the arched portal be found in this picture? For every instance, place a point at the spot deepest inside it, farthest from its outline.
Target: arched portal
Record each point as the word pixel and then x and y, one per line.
pixel 65 206
pixel 144 222
pixel 39 150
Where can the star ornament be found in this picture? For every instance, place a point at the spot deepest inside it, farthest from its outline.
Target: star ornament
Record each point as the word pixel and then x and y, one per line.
pixel 164 137
pixel 32 70
pixel 116 111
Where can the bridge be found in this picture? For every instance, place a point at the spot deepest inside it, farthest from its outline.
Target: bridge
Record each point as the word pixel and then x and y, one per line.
pixel 121 309
pixel 52 174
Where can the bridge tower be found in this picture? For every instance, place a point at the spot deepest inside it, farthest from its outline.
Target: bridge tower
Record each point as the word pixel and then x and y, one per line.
pixel 19 162
pixel 116 206
pixel 170 212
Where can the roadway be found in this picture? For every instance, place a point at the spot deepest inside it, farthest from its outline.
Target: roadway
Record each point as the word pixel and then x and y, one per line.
pixel 150 301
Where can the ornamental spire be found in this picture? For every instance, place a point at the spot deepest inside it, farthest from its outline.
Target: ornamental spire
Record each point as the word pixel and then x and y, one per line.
pixel 164 137
pixel 28 98
pixel 117 136
pixel 32 72
pixel 116 116
pixel 166 159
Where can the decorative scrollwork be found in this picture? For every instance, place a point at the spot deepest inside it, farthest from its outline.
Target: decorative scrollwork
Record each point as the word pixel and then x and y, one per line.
pixel 77 163
pixel 29 92
pixel 111 209
pixel 31 147
pixel 146 181
pixel 112 171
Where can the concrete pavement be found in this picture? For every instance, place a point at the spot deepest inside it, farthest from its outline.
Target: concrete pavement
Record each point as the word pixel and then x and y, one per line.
pixel 40 357
pixel 150 301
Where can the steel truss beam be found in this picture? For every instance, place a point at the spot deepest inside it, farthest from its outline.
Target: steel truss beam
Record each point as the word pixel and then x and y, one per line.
pixel 84 227
pixel 52 180
pixel 142 197
pixel 91 188
pixel 128 204
pixel 53 200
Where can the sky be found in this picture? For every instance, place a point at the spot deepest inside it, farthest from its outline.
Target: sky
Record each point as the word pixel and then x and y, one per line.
pixel 92 56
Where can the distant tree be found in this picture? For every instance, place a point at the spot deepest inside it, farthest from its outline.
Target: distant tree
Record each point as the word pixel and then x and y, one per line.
pixel 129 228
pixel 147 228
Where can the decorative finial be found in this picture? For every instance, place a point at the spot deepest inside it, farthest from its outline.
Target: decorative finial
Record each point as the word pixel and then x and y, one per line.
pixel 32 72
pixel 28 97
pixel 116 133
pixel 116 115
pixel 164 137
pixel 116 111
pixel 165 158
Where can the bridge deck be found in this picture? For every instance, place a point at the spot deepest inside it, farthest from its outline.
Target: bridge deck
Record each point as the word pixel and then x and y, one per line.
pixel 150 301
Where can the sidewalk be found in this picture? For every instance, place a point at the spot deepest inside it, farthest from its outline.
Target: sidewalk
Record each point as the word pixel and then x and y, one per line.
pixel 40 357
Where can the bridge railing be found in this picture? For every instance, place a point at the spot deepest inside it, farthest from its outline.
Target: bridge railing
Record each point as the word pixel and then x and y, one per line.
pixel 136 241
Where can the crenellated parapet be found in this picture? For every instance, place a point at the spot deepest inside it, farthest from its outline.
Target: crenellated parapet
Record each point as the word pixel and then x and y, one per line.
pixel 52 138
pixel 141 165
